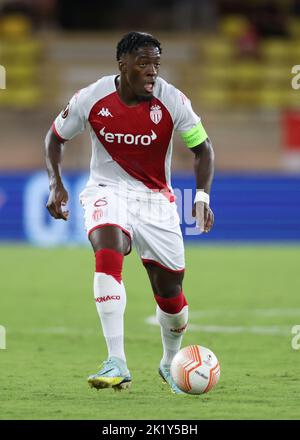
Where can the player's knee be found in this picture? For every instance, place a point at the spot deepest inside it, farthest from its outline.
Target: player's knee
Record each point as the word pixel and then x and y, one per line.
pixel 165 284
pixel 110 237
pixel 167 291
pixel 109 262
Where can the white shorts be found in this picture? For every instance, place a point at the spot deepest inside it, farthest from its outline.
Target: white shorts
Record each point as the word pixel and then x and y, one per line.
pixel 149 219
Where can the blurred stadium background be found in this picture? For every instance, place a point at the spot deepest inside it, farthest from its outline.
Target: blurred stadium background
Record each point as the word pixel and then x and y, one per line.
pixel 233 59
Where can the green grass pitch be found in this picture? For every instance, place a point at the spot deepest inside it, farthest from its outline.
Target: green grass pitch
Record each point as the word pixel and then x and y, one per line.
pixel 243 301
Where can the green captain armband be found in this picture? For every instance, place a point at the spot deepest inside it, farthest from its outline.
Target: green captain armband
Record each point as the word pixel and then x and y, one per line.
pixel 194 136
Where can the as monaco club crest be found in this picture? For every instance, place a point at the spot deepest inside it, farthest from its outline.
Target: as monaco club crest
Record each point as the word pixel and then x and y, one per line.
pixel 97 214
pixel 155 114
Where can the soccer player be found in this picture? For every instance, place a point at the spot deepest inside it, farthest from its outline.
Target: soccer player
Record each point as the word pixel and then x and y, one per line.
pixel 128 199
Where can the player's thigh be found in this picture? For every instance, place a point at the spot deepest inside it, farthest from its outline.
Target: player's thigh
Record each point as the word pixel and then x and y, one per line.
pixel 164 282
pixel 110 237
pixel 160 246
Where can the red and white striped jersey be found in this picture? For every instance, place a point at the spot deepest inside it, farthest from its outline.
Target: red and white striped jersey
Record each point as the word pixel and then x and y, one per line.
pixel 131 145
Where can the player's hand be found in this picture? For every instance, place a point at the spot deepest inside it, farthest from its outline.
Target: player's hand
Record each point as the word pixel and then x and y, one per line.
pixel 58 198
pixel 204 216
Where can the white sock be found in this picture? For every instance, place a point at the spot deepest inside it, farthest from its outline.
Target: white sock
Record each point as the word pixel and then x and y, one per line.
pixel 172 328
pixel 110 297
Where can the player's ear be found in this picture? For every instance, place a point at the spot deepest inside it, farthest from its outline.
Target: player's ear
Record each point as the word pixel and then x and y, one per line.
pixel 122 65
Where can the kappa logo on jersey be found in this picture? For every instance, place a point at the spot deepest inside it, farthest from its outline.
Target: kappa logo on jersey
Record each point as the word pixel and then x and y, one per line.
pixel 155 114
pixel 101 299
pixel 105 112
pixel 129 139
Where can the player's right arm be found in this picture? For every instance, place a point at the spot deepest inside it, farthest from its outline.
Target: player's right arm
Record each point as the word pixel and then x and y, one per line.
pixel 58 196
pixel 68 124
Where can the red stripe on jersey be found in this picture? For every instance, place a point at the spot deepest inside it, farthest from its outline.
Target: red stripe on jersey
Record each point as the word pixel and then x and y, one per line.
pixel 134 138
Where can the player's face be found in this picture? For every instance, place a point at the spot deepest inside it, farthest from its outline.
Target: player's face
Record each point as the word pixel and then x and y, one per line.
pixel 141 69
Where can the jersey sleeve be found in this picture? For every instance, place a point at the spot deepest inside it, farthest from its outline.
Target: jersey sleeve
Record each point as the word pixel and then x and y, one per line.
pixel 70 121
pixel 187 122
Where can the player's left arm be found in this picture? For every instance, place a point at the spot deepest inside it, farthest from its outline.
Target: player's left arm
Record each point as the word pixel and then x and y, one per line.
pixel 194 136
pixel 204 172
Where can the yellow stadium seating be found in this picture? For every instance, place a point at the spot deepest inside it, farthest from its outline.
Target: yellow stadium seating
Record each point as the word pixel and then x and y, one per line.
pixel 233 26
pixel 275 50
pixel 214 97
pixel 217 50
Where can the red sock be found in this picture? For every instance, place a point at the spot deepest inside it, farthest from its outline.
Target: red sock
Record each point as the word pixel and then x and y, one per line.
pixel 171 305
pixel 110 262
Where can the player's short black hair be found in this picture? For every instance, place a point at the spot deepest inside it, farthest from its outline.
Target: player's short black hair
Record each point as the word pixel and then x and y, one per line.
pixel 133 41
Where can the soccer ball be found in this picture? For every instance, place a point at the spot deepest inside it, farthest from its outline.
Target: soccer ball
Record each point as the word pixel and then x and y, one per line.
pixel 195 369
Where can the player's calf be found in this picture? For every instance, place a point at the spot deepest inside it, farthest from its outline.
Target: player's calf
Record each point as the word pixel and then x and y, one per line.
pixel 110 298
pixel 172 315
